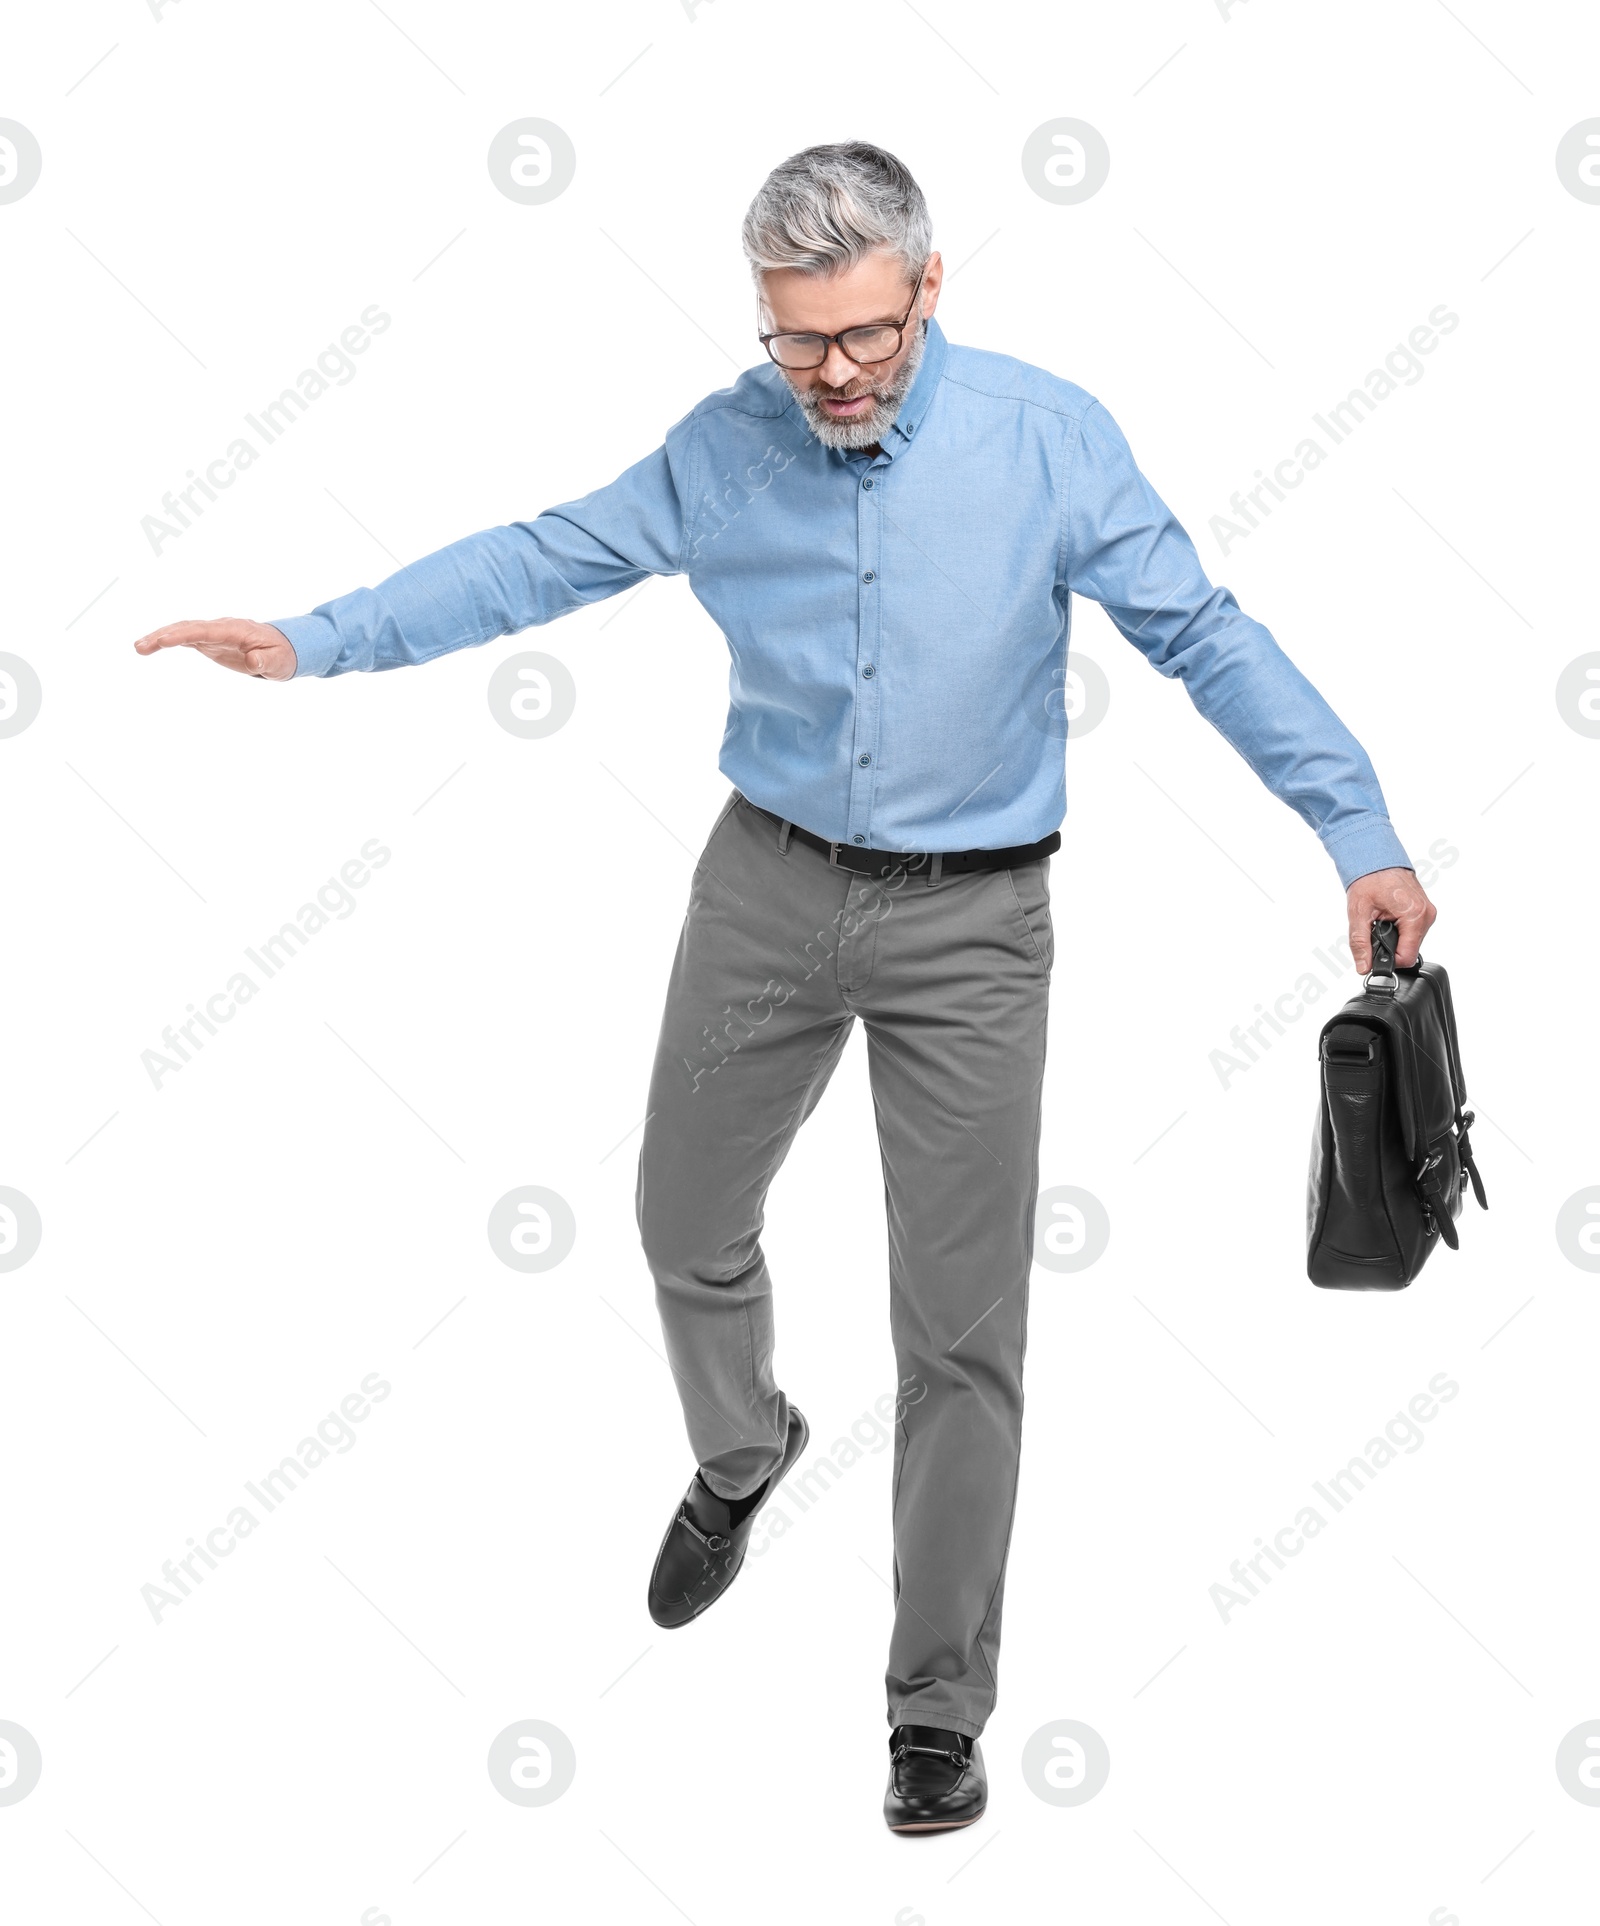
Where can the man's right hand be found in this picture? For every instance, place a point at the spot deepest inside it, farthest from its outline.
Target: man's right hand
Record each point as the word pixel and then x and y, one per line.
pixel 253 648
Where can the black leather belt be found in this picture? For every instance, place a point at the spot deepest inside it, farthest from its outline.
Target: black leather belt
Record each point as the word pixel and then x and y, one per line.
pixel 889 862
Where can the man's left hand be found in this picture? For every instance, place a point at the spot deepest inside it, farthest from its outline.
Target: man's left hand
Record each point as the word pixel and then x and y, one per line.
pixel 1397 895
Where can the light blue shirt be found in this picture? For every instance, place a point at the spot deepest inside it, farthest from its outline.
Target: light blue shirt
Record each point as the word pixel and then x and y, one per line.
pixel 898 624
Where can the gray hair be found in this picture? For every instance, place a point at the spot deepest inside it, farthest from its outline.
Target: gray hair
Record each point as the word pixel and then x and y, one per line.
pixel 826 208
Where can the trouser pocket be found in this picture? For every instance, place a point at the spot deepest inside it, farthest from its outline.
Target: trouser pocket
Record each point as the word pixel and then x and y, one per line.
pixel 1030 888
pixel 723 814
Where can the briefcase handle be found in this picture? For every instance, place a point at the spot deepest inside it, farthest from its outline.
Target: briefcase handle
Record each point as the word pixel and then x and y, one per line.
pixel 1382 979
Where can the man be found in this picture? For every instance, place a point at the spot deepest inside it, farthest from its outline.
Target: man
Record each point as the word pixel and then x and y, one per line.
pixel 887 529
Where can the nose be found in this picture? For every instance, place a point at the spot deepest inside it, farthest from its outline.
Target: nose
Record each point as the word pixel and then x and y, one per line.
pixel 838 370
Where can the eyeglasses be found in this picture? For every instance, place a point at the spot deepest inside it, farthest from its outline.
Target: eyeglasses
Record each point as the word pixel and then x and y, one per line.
pixel 880 341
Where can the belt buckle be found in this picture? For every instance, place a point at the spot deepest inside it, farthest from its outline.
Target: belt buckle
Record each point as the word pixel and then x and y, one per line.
pixel 837 852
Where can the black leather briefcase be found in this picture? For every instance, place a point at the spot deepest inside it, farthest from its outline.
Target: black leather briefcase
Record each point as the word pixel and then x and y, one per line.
pixel 1390 1156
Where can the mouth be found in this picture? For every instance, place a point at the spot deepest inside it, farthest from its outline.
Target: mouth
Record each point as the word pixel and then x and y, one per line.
pixel 845 409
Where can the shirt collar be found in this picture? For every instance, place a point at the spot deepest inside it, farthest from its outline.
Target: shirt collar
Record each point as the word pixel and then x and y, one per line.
pixel 935 351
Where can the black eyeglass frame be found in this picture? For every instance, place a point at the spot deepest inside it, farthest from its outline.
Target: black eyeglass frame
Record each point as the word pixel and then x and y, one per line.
pixel 837 340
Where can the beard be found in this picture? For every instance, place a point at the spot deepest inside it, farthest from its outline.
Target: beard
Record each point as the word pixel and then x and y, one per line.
pixel 865 430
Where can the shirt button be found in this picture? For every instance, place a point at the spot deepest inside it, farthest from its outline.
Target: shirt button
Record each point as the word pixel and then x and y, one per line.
pixel 865 760
pixel 869 671
pixel 867 483
pixel 858 839
pixel 869 576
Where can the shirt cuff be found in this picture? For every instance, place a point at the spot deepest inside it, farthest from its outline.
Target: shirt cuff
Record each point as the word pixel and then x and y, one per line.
pixel 1365 846
pixel 315 642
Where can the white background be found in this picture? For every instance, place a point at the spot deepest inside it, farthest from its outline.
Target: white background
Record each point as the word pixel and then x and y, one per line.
pixel 224 1258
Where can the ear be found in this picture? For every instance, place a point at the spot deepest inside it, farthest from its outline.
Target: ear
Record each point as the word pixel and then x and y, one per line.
pixel 932 281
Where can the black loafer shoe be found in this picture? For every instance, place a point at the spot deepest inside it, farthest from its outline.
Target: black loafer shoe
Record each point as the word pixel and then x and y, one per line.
pixel 704 1546
pixel 936 1780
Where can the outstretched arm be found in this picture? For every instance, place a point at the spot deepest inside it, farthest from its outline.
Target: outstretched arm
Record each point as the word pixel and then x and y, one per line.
pixel 490 584
pixel 1124 548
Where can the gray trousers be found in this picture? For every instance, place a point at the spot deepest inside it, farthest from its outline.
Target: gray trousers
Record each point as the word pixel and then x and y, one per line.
pixel 780 952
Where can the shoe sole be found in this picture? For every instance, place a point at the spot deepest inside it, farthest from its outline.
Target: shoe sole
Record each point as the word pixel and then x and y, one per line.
pixel 940 1825
pixel 786 1465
